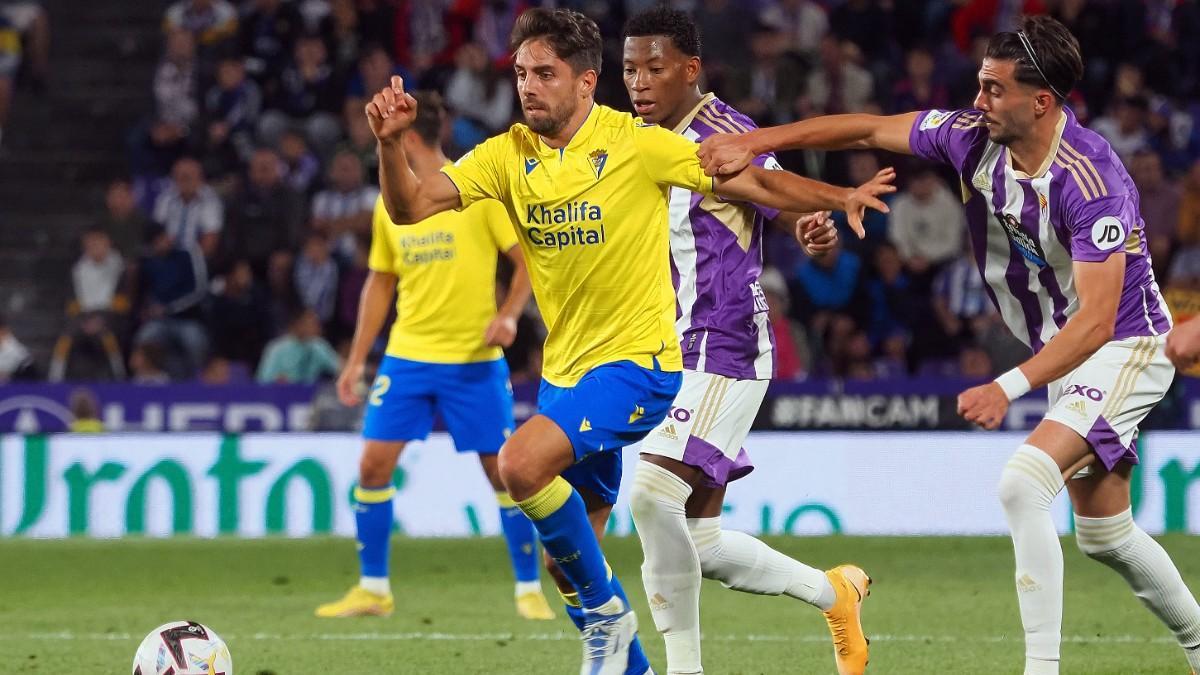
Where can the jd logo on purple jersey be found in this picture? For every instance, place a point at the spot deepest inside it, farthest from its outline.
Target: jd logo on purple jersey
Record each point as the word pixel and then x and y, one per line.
pixel 1084 390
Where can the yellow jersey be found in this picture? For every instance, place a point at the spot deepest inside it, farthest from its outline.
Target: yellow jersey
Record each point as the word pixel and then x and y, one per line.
pixel 592 220
pixel 447 286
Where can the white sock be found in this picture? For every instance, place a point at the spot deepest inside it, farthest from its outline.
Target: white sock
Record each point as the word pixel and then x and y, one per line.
pixel 524 587
pixel 377 585
pixel 671 571
pixel 1120 544
pixel 746 564
pixel 1028 485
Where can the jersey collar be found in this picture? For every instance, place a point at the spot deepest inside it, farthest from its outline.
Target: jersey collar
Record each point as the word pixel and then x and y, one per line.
pixel 687 119
pixel 1058 134
pixel 581 135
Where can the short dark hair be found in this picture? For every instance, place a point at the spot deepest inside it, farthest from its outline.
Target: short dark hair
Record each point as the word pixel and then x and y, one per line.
pixel 669 22
pixel 573 37
pixel 1049 56
pixel 431 116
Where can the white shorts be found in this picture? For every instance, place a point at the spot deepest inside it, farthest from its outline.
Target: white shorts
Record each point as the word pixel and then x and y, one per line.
pixel 707 425
pixel 1107 397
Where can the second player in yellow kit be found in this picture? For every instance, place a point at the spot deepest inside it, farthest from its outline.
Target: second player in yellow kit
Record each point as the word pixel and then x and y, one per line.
pixel 587 189
pixel 443 357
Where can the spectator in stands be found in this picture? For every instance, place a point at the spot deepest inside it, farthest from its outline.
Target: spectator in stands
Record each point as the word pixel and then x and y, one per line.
pixel 726 58
pixel 301 168
pixel 10 61
pixel 360 142
pixel 375 70
pixel 1188 230
pixel 98 272
pixel 479 95
pixel 231 110
pixel 770 88
pixel 864 23
pixel 217 372
pixel 166 137
pixel 892 301
pixel 308 98
pixel 89 349
pixel 838 84
pixel 919 90
pixel 350 285
pixel 316 277
pixel 281 290
pixel 1124 127
pixel 16 362
pixel 266 36
pixel 494 27
pixel 1160 200
pixel 264 215
pixel 343 211
pixel 32 24
pixel 146 363
pixel 85 412
pixel 790 343
pixel 861 167
pixel 240 320
pixel 826 286
pixel 959 297
pixel 172 288
pixel 300 356
pixel 803 23
pixel 123 220
pixel 213 23
pixel 190 209
pixel 927 225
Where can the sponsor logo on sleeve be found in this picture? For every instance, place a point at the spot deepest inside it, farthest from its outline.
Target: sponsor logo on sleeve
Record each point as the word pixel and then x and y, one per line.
pixel 934 119
pixel 1107 233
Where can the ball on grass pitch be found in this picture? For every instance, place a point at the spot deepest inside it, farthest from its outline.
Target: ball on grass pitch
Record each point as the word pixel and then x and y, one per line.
pixel 182 648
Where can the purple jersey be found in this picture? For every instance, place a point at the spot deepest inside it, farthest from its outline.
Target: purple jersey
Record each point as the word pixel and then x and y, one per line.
pixel 1026 231
pixel 716 259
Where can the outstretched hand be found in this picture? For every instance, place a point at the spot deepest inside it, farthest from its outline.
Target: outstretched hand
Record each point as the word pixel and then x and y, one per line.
pixel 724 154
pixel 867 196
pixel 816 234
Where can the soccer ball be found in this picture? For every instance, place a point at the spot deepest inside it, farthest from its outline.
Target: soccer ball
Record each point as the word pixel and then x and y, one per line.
pixel 182 648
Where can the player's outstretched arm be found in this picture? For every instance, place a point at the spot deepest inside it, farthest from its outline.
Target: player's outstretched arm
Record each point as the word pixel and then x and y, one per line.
pixel 1089 329
pixel 787 191
pixel 503 329
pixel 729 153
pixel 407 198
pixel 374 303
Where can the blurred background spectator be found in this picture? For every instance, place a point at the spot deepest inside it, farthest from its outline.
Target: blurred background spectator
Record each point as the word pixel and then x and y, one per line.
pixel 253 153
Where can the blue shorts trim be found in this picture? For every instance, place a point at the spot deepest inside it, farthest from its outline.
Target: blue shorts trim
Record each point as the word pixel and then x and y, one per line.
pixel 612 406
pixel 474 400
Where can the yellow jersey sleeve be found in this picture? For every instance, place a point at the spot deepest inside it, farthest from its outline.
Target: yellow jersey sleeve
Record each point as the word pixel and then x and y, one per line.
pixel 480 174
pixel 500 226
pixel 381 258
pixel 670 159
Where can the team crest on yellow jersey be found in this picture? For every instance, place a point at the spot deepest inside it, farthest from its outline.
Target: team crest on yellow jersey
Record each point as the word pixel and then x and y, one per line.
pixel 598 158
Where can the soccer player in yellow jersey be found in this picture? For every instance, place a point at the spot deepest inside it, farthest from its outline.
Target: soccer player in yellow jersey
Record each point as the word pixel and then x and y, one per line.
pixel 587 188
pixel 443 355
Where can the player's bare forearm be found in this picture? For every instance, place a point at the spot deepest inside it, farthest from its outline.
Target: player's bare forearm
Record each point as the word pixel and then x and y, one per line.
pixel 409 199
pixel 519 287
pixel 374 304
pixel 1089 329
pixel 838 132
pixel 782 190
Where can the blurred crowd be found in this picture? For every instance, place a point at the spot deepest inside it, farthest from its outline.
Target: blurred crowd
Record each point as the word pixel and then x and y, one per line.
pixel 236 247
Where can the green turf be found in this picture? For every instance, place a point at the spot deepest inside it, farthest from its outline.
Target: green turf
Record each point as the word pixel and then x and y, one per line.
pixel 939 606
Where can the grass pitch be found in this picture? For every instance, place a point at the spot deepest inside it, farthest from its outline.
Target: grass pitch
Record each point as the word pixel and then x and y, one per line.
pixel 940 606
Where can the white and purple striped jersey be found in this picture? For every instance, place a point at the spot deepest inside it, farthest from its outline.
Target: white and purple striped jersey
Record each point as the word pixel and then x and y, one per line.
pixel 716 259
pixel 1027 230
